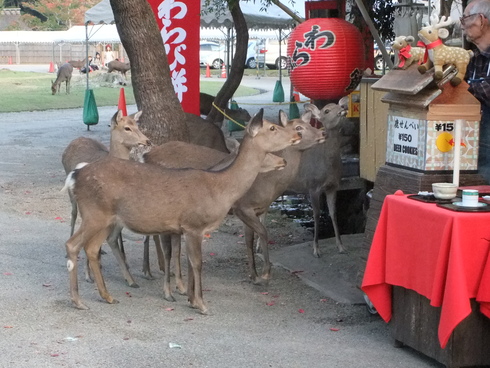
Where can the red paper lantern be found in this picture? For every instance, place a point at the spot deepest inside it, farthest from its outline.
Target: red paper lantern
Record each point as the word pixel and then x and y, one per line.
pixel 326 58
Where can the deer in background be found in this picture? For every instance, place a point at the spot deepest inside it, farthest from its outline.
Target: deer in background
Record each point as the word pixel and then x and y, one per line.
pixel 125 135
pixel 440 54
pixel 320 169
pixel 206 104
pixel 118 66
pixel 65 72
pixel 112 193
pixel 79 64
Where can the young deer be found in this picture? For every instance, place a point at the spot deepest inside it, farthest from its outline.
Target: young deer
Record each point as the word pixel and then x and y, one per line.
pixel 64 75
pixel 321 169
pixel 185 155
pixel 125 135
pixel 113 193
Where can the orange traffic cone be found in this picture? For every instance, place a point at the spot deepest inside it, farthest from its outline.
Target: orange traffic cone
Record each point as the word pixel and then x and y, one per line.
pixel 295 94
pixel 51 67
pixel 10 60
pixel 223 71
pixel 121 105
pixel 208 71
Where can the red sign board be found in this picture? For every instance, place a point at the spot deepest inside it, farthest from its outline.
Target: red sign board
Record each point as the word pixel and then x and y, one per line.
pixel 179 25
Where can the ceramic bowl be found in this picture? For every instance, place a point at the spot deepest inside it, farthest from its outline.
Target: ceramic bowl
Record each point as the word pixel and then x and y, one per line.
pixel 444 190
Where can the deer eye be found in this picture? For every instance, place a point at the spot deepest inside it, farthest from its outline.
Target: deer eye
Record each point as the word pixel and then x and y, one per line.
pixel 127 129
pixel 272 128
pixel 327 111
pixel 299 127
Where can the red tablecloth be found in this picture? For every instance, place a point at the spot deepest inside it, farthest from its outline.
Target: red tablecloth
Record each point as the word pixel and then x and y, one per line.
pixel 440 254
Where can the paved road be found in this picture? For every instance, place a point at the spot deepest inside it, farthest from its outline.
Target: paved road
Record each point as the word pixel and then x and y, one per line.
pixel 285 324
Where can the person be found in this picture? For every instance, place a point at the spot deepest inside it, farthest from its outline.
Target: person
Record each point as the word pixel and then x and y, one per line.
pixel 97 62
pixel 475 24
pixel 108 55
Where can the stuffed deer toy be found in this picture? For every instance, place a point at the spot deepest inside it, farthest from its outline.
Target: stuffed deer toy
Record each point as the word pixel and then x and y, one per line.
pixel 438 54
pixel 407 54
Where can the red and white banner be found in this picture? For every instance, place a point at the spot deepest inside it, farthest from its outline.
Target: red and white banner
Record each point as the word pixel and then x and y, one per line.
pixel 179 23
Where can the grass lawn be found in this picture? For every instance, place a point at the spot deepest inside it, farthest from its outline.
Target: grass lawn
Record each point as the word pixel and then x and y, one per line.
pixel 26 91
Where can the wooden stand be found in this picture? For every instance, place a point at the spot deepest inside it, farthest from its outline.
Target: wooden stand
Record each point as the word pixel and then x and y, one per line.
pixel 415 323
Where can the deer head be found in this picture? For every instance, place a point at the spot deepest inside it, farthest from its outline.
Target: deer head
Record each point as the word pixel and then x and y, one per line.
pixel 436 29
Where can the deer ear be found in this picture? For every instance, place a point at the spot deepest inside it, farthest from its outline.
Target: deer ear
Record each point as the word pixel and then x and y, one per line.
pixel 283 118
pixel 313 109
pixel 306 117
pixel 443 33
pixel 256 123
pixel 409 39
pixel 137 116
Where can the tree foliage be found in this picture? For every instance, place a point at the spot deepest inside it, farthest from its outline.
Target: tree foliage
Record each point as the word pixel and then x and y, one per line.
pixel 55 15
pixel 382 14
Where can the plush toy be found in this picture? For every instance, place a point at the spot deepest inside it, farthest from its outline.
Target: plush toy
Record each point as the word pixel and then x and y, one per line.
pixel 407 54
pixel 438 54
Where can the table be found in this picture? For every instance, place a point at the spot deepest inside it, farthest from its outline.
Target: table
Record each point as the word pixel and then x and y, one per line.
pixel 440 254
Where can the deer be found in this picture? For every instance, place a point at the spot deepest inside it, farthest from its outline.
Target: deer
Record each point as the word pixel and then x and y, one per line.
pixel 79 64
pixel 65 72
pixel 320 169
pixel 206 104
pixel 176 154
pixel 440 54
pixel 118 66
pixel 125 135
pixel 407 55
pixel 147 199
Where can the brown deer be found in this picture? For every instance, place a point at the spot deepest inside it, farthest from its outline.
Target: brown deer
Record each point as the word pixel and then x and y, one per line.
pixel 112 193
pixel 65 72
pixel 118 66
pixel 185 155
pixel 440 54
pixel 255 202
pixel 79 64
pixel 320 169
pixel 407 55
pixel 125 135
pixel 206 104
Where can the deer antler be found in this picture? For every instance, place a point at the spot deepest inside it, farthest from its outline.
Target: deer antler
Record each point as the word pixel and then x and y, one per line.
pixel 444 22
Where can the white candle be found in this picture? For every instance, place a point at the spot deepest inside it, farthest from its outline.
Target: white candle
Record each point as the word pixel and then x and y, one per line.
pixel 457 150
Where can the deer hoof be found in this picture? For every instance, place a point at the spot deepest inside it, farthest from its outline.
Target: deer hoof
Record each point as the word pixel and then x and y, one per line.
pixel 81 306
pixel 169 298
pixel 455 81
pixel 111 300
pixel 182 291
pixel 317 253
pixel 133 285
pixel 438 75
pixel 422 69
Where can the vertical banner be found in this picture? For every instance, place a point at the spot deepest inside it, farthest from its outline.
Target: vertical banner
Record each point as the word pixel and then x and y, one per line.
pixel 179 23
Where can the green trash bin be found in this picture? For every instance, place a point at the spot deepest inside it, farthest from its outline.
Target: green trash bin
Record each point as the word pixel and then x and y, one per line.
pixel 90 112
pixel 232 126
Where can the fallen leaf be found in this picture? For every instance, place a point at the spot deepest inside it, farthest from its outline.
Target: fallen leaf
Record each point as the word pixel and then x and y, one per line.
pixel 47 285
pixel 128 294
pixel 27 213
pixel 275 296
pixel 55 355
pixel 188 319
pixel 212 254
pixel 206 289
pixel 334 329
pixel 270 304
pixel 296 272
pixel 58 218
pixel 265 293
pixel 7 274
pixel 169 309
pixel 125 338
pixel 241 235
pixel 301 310
pixel 323 300
pixel 207 235
pixel 8 326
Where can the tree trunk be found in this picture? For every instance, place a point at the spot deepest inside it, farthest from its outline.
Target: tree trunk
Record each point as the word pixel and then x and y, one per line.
pixel 238 63
pixel 163 117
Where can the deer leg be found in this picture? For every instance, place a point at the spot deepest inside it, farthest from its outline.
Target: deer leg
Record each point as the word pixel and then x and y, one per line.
pixel 194 257
pixel 161 258
pixel 438 71
pixel 92 248
pixel 74 213
pixel 146 258
pixel 112 241
pixel 176 248
pixel 73 247
pixel 249 220
pixel 167 254
pixel 331 203
pixel 315 205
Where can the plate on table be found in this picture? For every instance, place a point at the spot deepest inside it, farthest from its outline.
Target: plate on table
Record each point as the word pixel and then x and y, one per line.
pixel 428 198
pixel 458 206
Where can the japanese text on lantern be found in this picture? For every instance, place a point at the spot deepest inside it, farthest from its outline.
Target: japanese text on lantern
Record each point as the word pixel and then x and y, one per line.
pixel 174 41
pixel 311 37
